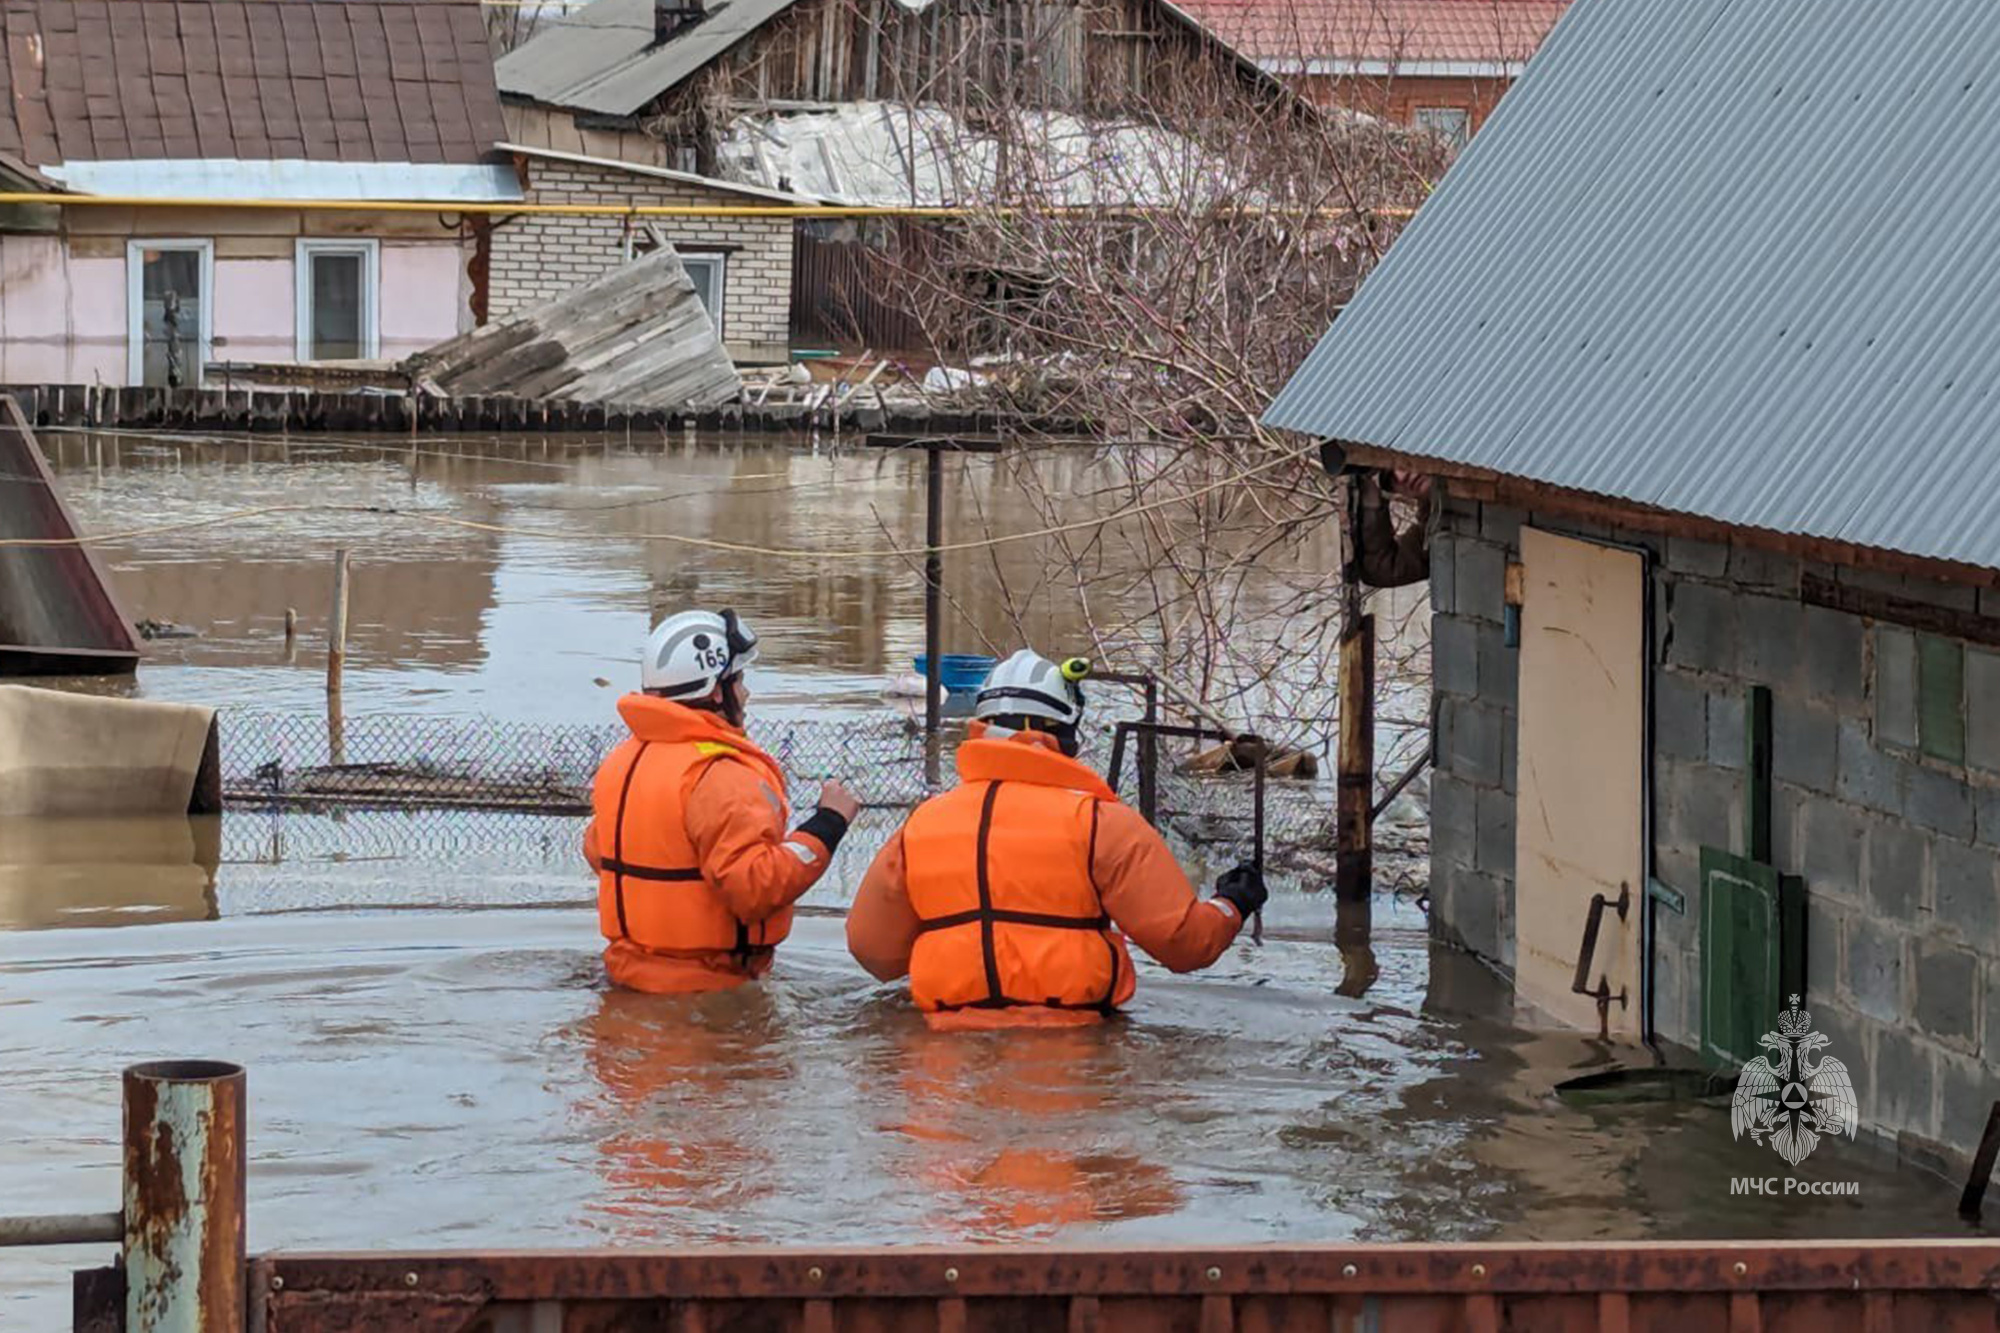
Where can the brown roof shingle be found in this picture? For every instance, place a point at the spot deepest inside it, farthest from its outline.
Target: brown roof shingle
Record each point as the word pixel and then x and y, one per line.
pixel 325 80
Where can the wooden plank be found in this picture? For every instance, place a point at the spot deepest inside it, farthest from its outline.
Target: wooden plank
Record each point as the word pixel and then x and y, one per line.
pixel 1757 784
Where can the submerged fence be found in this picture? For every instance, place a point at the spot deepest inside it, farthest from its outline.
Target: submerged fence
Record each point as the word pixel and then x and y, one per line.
pixel 390 786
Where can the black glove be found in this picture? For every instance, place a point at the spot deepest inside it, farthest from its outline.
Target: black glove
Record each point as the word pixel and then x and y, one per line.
pixel 1243 888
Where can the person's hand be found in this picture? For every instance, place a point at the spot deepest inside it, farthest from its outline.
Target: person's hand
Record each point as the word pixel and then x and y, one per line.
pixel 1242 887
pixel 836 797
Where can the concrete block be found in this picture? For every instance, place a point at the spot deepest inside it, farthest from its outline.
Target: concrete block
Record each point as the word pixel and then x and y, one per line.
pixel 1701 805
pixel 1864 775
pixel 1454 823
pixel 1493 851
pixel 1481 580
pixel 1938 801
pixel 1832 848
pixel 1727 745
pixel 1498 523
pixel 1896 686
pixel 1902 1078
pixel 1873 958
pixel 1968 897
pixel 1705 559
pixel 1773 630
pixel 1950 992
pixel 1499 666
pixel 1966 1091
pixel 1898 857
pixel 1982 709
pixel 1787 803
pixel 1454 656
pixel 1470 915
pixel 1755 567
pixel 1476 733
pixel 1676 995
pixel 1832 649
pixel 1804 744
pixel 1824 967
pixel 1705 628
pixel 1443 569
pixel 1680 716
pixel 1986 814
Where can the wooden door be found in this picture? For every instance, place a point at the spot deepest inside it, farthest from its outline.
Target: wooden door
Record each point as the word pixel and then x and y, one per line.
pixel 1580 816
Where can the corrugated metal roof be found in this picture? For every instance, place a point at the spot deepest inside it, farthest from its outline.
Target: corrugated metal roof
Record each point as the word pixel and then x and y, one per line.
pixel 602 58
pixel 1726 258
pixel 688 178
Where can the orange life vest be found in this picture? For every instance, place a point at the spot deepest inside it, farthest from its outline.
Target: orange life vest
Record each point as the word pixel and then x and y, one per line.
pixel 650 888
pixel 999 873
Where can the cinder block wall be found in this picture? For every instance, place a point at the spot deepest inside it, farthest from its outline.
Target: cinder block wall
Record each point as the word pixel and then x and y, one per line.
pixel 539 257
pixel 1900 850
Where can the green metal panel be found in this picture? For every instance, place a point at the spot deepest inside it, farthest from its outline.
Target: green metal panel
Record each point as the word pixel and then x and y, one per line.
pixel 1941 698
pixel 1752 951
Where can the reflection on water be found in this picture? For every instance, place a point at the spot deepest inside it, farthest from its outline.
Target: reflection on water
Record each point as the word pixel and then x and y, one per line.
pixel 476 621
pixel 78 871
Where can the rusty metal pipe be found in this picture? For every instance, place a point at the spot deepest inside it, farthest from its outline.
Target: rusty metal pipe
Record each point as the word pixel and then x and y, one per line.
pixel 184 1178
pixel 63 1229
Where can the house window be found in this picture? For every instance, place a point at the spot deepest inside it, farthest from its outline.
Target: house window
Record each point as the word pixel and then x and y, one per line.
pixel 168 319
pixel 1453 124
pixel 337 290
pixel 1937 696
pixel 707 269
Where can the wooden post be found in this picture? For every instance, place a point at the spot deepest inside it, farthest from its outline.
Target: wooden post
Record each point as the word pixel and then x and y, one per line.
pixel 336 658
pixel 1354 859
pixel 933 630
pixel 291 632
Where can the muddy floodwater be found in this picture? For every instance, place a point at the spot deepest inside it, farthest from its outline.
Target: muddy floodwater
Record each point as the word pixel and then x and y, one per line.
pixel 434 1060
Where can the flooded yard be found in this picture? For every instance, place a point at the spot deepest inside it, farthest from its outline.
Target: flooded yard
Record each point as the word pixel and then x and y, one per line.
pixel 434 1059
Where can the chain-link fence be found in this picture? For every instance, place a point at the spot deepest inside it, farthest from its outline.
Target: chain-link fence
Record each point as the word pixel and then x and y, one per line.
pixel 399 786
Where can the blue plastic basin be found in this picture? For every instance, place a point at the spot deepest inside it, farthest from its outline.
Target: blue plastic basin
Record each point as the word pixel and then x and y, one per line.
pixel 962 673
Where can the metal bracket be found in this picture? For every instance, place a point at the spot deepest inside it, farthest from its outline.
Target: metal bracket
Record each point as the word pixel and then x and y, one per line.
pixel 1593 922
pixel 1667 896
pixel 1148 730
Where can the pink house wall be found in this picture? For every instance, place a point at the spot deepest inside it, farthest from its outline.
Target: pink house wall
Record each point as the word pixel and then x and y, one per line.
pixel 63 319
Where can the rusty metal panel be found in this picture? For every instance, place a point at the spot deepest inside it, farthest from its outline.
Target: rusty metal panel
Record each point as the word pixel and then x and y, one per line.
pixel 57 613
pixel 1934 1285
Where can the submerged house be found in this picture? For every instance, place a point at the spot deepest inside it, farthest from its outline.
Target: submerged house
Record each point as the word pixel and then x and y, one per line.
pixel 1699 342
pixel 1437 65
pixel 201 104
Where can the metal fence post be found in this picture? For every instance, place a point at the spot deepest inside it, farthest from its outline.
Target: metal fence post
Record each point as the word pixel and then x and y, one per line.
pixel 184 1179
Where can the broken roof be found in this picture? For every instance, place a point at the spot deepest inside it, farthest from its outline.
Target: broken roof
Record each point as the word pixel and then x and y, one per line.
pixel 603 58
pixel 885 154
pixel 1464 38
pixel 262 80
pixel 1714 258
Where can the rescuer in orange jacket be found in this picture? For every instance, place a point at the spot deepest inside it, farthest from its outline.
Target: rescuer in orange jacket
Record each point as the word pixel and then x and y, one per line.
pixel 696 875
pixel 999 899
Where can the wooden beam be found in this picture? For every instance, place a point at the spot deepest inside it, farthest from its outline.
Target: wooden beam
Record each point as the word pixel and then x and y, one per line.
pixel 1494 488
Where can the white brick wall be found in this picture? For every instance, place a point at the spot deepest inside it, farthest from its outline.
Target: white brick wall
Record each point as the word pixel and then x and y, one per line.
pixel 537 257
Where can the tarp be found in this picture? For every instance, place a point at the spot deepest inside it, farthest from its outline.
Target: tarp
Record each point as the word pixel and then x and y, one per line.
pixel 82 754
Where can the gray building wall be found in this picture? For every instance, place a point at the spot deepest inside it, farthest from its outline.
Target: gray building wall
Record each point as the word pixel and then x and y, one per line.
pixel 1897 847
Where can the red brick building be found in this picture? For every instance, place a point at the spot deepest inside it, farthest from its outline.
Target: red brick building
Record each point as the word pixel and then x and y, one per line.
pixel 1440 63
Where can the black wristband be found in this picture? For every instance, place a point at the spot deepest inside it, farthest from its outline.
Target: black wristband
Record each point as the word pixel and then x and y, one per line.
pixel 829 826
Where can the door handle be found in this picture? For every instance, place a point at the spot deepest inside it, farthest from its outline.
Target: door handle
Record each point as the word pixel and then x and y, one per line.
pixel 1593 924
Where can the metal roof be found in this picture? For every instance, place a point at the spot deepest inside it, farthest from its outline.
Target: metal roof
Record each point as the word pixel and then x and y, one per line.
pixel 1733 259
pixel 602 58
pixel 687 178
pixel 209 178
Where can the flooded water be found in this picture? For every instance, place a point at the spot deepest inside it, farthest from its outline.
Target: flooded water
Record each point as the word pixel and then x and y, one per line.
pixel 435 1061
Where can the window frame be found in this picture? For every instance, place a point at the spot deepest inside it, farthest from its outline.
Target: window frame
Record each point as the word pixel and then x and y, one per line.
pixel 1458 139
pixel 135 303
pixel 371 291
pixel 719 258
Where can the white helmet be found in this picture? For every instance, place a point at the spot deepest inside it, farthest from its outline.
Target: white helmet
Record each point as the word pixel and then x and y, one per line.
pixel 1029 685
pixel 691 653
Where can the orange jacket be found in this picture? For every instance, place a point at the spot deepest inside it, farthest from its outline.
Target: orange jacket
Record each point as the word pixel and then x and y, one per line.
pixel 696 873
pixel 997 898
